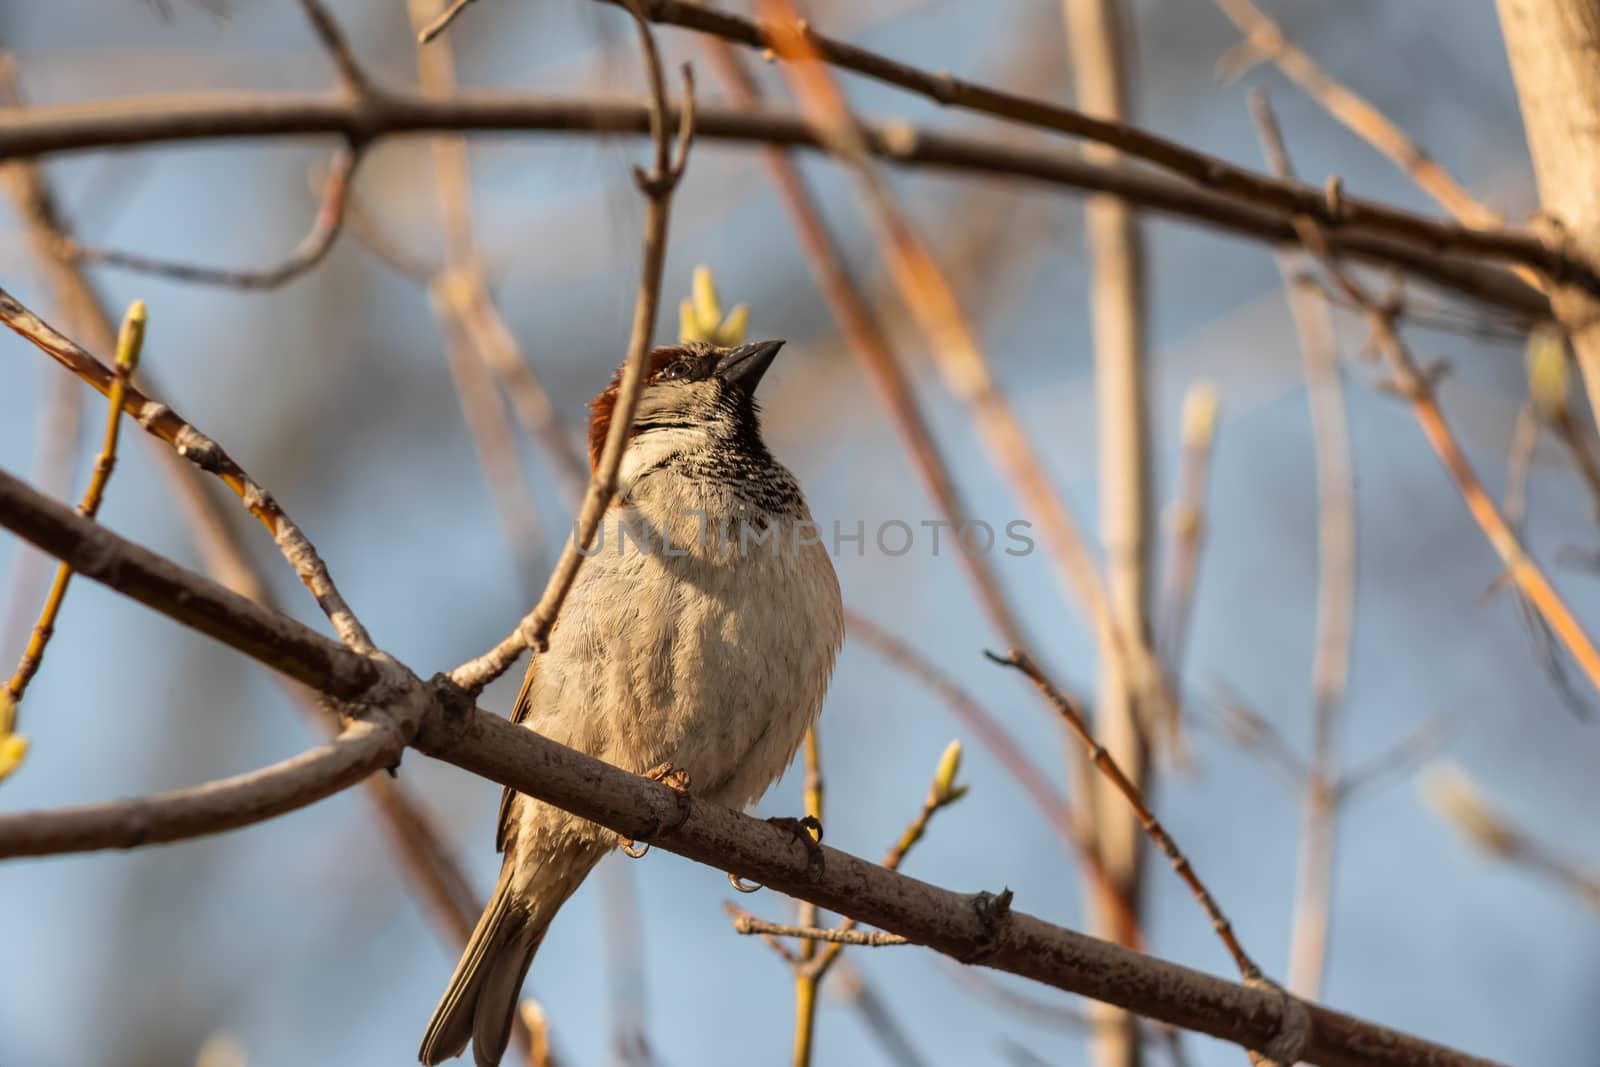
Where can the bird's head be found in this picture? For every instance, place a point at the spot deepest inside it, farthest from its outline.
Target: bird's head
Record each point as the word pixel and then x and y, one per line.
pixel 696 396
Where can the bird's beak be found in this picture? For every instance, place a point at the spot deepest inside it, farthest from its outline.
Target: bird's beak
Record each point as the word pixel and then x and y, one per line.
pixel 743 366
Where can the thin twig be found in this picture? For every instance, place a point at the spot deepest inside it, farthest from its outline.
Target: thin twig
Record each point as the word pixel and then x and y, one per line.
pixel 1455 796
pixel 312 249
pixel 1152 826
pixel 492 435
pixel 958 356
pixel 657 187
pixel 1186 522
pixel 441 21
pixel 130 342
pixel 1020 766
pixel 1336 582
pixel 1519 468
pixel 1264 39
pixel 1100 47
pixel 867 342
pixel 852 986
pixel 161 421
pixel 745 923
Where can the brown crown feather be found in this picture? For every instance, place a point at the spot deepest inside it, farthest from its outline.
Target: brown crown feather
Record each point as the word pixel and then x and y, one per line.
pixel 600 407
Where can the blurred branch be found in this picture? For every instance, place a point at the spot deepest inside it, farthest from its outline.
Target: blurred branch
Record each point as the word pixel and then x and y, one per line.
pixel 851 985
pixel 468 361
pixel 1197 432
pixel 1100 46
pixel 1107 766
pixel 867 342
pixel 1417 388
pixel 161 421
pixel 975 929
pixel 1336 587
pixel 441 21
pixel 657 185
pixel 1019 765
pixel 961 361
pixel 311 250
pixel 1264 39
pixel 1207 171
pixel 1454 795
pixel 1548 390
pixel 36 131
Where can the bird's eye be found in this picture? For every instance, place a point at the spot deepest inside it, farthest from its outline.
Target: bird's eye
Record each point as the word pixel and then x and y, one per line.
pixel 675 370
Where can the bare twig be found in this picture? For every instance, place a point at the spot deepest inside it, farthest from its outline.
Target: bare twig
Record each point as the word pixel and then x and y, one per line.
pixel 746 923
pixel 161 421
pixel 1336 548
pixel 853 987
pixel 959 358
pixel 58 128
pixel 1454 795
pixel 1336 569
pixel 1020 767
pixel 1401 758
pixel 868 342
pixel 1548 388
pixel 130 341
pixel 492 436
pixel 976 929
pixel 1186 520
pixel 1264 39
pixel 1100 47
pixel 311 250
pixel 657 187
pixel 441 21
pixel 1107 766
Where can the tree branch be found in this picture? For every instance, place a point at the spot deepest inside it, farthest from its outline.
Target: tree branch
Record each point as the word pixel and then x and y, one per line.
pixel 1207 171
pixel 975 929
pixel 105 124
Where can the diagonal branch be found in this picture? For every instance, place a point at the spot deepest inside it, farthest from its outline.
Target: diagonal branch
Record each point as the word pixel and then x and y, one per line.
pixel 975 929
pixel 161 421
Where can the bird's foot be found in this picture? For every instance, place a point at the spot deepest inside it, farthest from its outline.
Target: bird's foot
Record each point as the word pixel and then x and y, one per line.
pixel 807 831
pixel 675 779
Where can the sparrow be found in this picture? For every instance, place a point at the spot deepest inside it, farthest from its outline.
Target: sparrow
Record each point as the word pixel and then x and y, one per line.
pixel 695 646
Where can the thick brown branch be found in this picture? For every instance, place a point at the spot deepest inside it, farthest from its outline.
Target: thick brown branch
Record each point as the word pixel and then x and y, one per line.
pixel 199 603
pixel 102 124
pixel 967 927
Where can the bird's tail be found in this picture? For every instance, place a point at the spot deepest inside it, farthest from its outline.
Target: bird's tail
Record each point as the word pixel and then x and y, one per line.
pixel 481 1000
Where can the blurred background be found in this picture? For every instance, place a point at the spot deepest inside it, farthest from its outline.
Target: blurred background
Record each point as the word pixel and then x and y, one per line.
pixel 300 942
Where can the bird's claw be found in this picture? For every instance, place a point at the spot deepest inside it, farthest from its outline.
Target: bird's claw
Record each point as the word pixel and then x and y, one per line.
pixel 803 830
pixel 675 779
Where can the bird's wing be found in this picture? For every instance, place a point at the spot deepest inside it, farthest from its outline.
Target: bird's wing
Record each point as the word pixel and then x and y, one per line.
pixel 519 714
